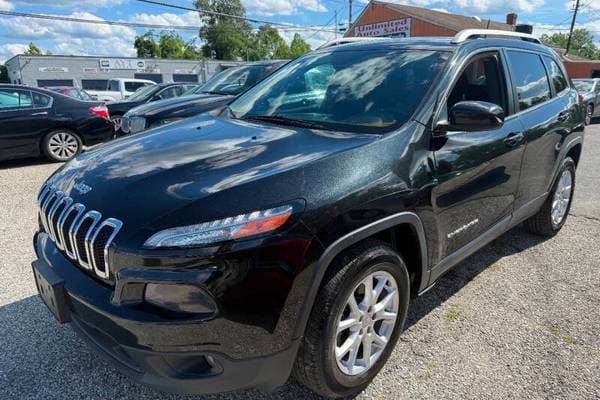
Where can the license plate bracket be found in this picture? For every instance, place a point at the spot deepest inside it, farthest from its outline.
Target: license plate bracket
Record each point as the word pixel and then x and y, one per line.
pixel 51 288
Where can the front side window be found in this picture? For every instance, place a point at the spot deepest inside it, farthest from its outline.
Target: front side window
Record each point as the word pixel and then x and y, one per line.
pixel 170 92
pixel 14 99
pixel 143 94
pixel 556 75
pixel 348 90
pixel 481 80
pixel 234 80
pixel 530 79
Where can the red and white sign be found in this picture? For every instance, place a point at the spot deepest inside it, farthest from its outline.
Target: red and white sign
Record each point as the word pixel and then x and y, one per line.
pixel 395 28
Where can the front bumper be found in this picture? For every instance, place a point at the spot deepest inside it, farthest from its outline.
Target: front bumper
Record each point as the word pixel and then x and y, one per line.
pixel 175 356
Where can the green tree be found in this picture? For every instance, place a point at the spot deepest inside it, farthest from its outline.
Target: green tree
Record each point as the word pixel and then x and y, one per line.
pixel 269 44
pixel 4 74
pixel 582 43
pixel 226 38
pixel 146 46
pixel 298 46
pixel 33 50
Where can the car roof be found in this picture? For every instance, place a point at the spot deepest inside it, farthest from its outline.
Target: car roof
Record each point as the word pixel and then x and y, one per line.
pixel 442 43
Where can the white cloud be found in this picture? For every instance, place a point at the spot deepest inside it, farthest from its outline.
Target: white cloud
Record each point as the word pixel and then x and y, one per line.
pixel 72 37
pixel 282 7
pixel 68 3
pixel 9 50
pixel 190 18
pixel 479 6
pixel 5 5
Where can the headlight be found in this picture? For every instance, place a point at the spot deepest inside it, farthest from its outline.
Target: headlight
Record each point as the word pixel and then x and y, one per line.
pixel 241 226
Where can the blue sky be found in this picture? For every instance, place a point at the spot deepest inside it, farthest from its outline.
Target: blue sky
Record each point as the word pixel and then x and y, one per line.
pixel 75 38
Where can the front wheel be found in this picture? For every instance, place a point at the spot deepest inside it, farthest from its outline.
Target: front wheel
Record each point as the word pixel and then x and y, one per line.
pixel 355 322
pixel 553 214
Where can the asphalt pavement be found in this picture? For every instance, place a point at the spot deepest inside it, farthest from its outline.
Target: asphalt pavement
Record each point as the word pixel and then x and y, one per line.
pixel 519 319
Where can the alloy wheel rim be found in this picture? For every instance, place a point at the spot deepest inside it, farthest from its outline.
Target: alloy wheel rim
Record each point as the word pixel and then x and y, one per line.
pixel 63 145
pixel 366 323
pixel 117 122
pixel 562 197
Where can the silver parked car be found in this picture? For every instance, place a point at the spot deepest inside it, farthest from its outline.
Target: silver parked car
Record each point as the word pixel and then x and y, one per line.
pixel 590 90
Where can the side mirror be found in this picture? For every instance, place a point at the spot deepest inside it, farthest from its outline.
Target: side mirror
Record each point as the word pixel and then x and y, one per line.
pixel 156 98
pixel 473 116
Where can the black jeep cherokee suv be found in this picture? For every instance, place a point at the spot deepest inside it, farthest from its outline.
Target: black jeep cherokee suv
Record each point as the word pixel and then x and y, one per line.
pixel 288 234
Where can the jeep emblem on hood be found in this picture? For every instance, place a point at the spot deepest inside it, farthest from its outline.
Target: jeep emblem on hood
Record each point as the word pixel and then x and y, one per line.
pixel 82 188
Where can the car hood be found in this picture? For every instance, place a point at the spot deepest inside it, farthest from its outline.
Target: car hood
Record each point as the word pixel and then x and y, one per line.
pixel 208 167
pixel 160 106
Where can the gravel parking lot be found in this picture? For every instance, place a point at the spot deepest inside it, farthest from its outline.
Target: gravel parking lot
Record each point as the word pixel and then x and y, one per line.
pixel 519 319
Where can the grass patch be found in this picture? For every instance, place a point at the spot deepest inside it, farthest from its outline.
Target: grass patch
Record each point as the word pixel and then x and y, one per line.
pixel 452 313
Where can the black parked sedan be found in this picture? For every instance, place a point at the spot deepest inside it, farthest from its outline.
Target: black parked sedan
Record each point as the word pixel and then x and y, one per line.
pixel 145 95
pixel 590 91
pixel 37 121
pixel 219 91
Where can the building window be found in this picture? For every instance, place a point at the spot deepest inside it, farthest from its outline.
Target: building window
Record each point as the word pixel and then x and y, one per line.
pixel 157 78
pixel 54 82
pixel 185 78
pixel 94 84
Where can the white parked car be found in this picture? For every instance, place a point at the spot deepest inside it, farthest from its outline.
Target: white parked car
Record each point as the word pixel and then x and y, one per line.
pixel 119 89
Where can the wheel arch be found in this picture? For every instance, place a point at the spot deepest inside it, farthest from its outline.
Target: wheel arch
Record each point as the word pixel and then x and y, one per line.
pixel 391 230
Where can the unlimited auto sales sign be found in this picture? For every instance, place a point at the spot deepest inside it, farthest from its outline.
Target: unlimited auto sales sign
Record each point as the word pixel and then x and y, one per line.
pixel 395 28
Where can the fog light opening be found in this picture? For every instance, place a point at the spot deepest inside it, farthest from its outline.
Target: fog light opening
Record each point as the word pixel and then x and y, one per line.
pixel 180 298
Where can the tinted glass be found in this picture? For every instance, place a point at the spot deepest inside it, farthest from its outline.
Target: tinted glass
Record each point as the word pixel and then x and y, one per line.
pixel 12 99
pixel 134 86
pixel 143 94
pixel 84 96
pixel 113 86
pixel 584 86
pixel 94 84
pixel 481 80
pixel 556 75
pixel 185 78
pixel 170 92
pixel 41 100
pixel 350 90
pixel 530 79
pixel 54 82
pixel 234 80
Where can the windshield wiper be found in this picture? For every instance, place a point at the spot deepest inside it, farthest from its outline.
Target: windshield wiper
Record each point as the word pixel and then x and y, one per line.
pixel 276 119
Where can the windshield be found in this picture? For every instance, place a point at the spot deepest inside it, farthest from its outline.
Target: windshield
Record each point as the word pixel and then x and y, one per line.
pixel 143 94
pixel 584 86
pixel 234 80
pixel 349 90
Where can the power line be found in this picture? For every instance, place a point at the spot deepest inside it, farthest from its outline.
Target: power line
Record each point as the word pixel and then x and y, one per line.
pixel 220 14
pixel 131 24
pixel 572 27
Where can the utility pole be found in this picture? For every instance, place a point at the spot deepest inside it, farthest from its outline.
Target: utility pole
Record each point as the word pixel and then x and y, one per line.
pixel 572 26
pixel 350 14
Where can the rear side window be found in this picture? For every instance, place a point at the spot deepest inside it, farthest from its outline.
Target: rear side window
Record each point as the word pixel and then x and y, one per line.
pixel 40 100
pixel 14 99
pixel 530 79
pixel 556 75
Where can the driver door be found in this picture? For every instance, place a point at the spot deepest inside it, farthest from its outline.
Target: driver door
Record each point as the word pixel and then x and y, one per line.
pixel 477 172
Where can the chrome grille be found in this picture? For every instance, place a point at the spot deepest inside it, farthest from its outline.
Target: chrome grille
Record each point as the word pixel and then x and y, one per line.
pixel 81 234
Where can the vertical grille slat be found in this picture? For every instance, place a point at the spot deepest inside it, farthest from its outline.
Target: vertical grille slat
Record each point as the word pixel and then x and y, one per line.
pixel 82 236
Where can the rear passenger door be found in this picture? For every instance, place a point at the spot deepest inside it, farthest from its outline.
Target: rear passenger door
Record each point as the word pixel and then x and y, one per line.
pixel 477 172
pixel 544 106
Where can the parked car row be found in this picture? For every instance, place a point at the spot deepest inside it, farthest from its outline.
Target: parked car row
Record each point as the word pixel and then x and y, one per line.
pixel 287 233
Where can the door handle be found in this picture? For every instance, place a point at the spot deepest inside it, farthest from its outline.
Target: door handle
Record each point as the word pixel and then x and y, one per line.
pixel 563 116
pixel 513 139
pixel 39 113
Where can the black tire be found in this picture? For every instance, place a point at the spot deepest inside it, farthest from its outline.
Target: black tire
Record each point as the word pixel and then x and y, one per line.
pixel 542 223
pixel 49 145
pixel 316 366
pixel 589 112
